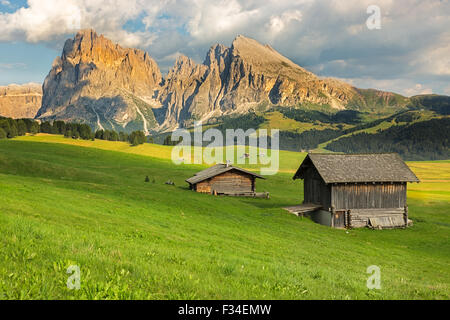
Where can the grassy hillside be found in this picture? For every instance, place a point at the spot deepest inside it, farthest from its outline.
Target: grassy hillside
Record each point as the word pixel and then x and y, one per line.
pixel 425 140
pixel 289 161
pixel 349 130
pixel 65 202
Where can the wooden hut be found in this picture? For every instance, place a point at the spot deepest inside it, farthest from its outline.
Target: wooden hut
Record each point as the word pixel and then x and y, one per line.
pixel 224 179
pixel 355 190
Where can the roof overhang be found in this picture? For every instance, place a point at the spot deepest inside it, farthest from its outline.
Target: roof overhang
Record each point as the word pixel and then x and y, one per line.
pixel 358 168
pixel 199 177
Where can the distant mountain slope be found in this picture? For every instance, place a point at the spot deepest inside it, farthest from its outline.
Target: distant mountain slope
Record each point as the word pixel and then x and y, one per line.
pixel 98 82
pixel 20 101
pixel 419 134
pixel 425 140
pixel 433 102
pixel 252 76
pixel 374 100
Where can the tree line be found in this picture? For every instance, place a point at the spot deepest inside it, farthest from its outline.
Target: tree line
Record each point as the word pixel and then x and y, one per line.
pixel 310 139
pixel 11 128
pixel 304 115
pixel 426 140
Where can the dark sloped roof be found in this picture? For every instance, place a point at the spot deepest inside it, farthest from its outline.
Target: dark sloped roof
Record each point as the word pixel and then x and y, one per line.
pixel 374 167
pixel 216 170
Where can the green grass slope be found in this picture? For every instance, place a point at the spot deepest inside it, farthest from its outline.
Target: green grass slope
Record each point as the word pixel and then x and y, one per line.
pixel 63 204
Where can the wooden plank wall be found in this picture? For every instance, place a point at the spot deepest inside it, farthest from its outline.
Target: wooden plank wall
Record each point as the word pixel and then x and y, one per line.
pixel 232 182
pixel 203 187
pixel 315 189
pixel 391 217
pixel 361 196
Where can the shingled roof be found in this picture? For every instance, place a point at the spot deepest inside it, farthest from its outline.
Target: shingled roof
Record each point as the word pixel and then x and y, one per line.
pixel 348 168
pixel 215 171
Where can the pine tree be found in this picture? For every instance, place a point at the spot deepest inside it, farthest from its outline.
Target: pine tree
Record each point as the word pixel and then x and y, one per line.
pixel 21 127
pixel 106 135
pixel 12 132
pixel 60 127
pixel 85 131
pixel 135 141
pixel 123 136
pixel 99 134
pixel 2 134
pixel 46 127
pixel 54 129
pixel 114 136
pixel 34 128
pixel 68 134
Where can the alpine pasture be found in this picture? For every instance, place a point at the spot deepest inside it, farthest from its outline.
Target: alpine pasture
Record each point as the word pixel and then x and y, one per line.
pixel 68 202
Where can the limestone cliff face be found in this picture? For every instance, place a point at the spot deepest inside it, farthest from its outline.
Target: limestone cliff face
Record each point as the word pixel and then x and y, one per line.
pixel 180 92
pixel 20 101
pixel 243 76
pixel 101 83
pixel 98 82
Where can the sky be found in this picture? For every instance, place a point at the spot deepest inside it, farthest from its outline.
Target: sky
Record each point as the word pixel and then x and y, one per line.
pixel 394 45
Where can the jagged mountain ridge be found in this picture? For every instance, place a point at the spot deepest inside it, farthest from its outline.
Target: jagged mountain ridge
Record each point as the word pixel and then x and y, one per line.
pixel 98 82
pixel 20 101
pixel 243 76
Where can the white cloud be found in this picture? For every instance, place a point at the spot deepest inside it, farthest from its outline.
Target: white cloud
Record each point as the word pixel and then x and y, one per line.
pixel 406 87
pixel 14 65
pixel 278 23
pixel 213 19
pixel 5 3
pixel 50 20
pixel 447 91
pixel 171 57
pixel 435 60
pixel 326 36
pixel 417 89
pixel 40 21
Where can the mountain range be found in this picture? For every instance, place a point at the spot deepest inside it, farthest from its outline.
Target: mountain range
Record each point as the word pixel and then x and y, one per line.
pixel 98 82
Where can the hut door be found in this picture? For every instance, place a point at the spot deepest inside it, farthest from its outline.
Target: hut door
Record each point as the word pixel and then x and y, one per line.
pixel 339 219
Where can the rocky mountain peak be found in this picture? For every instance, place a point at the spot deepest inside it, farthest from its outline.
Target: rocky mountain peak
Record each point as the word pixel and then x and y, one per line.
pixel 244 46
pixel 215 54
pixel 264 56
pixel 185 69
pixel 183 64
pixel 99 82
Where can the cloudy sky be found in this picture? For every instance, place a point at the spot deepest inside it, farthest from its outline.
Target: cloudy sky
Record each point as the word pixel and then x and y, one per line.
pixel 408 54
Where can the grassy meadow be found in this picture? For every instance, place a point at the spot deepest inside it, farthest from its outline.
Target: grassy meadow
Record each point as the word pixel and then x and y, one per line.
pixel 71 202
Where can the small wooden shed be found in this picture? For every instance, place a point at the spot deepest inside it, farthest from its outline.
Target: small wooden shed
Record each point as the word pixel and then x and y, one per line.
pixel 224 179
pixel 356 190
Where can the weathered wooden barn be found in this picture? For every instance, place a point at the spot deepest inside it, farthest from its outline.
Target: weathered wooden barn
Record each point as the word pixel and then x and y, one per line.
pixel 224 179
pixel 355 190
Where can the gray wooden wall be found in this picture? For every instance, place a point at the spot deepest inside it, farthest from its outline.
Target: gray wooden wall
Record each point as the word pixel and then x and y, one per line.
pixel 363 196
pixel 315 189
